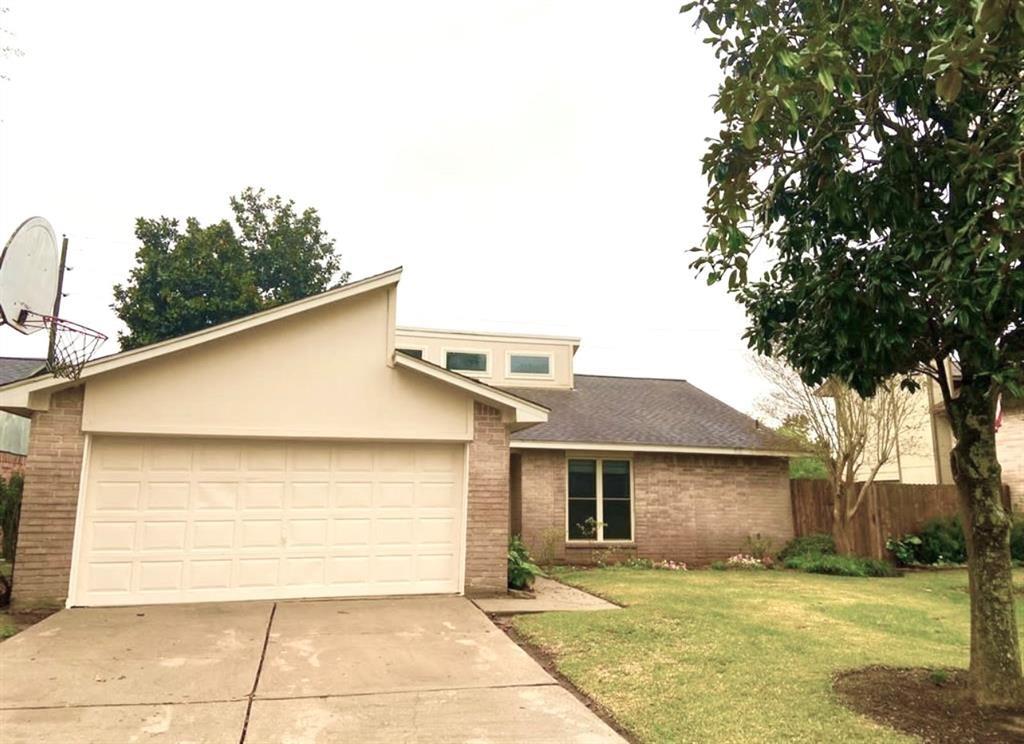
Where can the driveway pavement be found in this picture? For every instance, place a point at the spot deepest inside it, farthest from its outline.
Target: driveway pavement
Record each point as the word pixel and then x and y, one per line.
pixel 431 669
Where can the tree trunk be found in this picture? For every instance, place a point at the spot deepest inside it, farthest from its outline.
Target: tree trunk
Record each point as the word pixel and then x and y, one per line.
pixel 995 673
pixel 842 532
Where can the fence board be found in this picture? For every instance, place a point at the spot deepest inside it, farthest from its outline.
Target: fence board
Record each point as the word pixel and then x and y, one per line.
pixel 888 510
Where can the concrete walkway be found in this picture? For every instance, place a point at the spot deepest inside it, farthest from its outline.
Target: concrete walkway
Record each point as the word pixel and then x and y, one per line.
pixel 390 670
pixel 549 596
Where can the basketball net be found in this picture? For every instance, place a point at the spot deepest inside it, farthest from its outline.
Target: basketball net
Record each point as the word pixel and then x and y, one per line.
pixel 72 344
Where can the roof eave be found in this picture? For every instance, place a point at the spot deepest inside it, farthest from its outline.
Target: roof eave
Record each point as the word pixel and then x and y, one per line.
pixel 526 412
pixel 18 394
pixel 638 447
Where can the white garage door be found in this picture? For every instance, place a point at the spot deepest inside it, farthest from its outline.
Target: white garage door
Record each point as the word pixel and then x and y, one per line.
pixel 189 520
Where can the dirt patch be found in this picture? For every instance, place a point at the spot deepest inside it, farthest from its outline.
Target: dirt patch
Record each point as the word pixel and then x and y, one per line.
pixel 932 704
pixel 546 660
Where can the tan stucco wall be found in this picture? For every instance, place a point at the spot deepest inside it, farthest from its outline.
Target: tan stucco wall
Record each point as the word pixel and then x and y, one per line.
pixel 323 373
pixel 434 344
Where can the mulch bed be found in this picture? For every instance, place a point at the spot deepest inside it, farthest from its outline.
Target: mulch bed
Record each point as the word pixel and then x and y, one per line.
pixel 931 704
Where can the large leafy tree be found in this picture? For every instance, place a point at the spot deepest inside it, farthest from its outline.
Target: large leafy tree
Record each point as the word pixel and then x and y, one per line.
pixel 871 164
pixel 188 279
pixel 292 256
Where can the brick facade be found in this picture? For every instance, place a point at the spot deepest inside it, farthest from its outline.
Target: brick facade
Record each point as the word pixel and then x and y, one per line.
pixel 42 566
pixel 488 508
pixel 1010 450
pixel 693 508
pixel 11 463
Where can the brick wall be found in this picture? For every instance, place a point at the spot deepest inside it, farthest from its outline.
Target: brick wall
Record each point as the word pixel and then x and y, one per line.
pixel 1010 450
pixel 11 463
pixel 488 509
pixel 694 508
pixel 542 496
pixel 43 563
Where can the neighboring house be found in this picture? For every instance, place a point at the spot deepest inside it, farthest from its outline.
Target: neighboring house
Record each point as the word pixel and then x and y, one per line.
pixel 298 452
pixel 13 428
pixel 925 445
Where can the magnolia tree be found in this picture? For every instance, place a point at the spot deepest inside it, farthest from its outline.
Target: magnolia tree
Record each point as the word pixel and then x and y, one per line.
pixel 855 437
pixel 873 154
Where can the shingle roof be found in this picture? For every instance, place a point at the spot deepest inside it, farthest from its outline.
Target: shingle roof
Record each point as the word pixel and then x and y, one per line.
pixel 636 410
pixel 17 368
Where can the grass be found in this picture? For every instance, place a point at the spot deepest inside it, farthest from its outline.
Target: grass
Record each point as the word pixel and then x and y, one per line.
pixel 748 656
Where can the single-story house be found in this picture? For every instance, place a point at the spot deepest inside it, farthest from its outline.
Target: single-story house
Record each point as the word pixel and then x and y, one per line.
pixel 317 450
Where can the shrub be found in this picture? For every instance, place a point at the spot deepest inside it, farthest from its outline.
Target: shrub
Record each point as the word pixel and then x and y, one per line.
pixel 942 541
pixel 633 562
pixel 521 570
pixel 759 547
pixel 1017 539
pixel 840 565
pixel 904 549
pixel 808 545
pixel 671 566
pixel 10 514
pixel 743 560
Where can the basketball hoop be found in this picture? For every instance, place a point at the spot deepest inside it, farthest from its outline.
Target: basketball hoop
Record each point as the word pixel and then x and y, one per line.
pixel 73 343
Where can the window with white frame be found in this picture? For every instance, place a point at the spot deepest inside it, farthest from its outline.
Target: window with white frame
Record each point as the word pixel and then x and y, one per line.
pixel 412 351
pixel 529 364
pixel 600 496
pixel 466 361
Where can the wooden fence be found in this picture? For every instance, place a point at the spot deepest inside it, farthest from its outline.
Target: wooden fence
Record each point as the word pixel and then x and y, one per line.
pixel 888 510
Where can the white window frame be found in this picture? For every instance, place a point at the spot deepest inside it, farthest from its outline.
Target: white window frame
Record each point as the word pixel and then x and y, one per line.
pixel 550 375
pixel 599 460
pixel 468 372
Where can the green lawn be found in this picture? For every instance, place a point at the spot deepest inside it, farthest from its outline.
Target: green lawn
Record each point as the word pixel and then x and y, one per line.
pixel 743 656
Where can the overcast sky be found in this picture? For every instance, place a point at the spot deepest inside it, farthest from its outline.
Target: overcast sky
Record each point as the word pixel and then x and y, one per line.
pixel 534 166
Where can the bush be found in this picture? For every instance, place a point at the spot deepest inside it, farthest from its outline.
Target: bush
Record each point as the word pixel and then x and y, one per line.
pixel 521 570
pixel 904 549
pixel 10 514
pixel 1017 539
pixel 759 547
pixel 839 565
pixel 808 545
pixel 942 541
pixel 641 563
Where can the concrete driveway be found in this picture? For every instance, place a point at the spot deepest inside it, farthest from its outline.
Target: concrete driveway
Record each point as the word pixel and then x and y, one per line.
pixel 390 670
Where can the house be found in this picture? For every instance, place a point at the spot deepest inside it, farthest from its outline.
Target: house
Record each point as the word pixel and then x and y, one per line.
pixel 924 445
pixel 14 429
pixel 315 449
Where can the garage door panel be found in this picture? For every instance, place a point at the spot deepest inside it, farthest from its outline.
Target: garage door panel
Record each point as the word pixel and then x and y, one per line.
pixel 166 496
pixel 115 496
pixel 171 520
pixel 216 495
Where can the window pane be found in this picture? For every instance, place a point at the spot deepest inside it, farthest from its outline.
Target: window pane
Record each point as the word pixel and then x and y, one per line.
pixel 582 479
pixel 579 511
pixel 525 364
pixel 616 520
pixel 615 479
pixel 418 353
pixel 465 361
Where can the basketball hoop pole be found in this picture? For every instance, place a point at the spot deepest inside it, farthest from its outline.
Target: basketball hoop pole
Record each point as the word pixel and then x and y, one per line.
pixel 50 353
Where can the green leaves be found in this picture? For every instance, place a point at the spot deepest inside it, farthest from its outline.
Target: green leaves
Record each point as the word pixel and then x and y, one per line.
pixel 948 86
pixel 874 151
pixel 192 278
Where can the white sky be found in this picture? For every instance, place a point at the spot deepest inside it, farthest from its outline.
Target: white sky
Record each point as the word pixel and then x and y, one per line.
pixel 534 166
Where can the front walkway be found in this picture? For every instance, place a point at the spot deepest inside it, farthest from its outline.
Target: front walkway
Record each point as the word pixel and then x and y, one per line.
pixel 430 669
pixel 548 596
